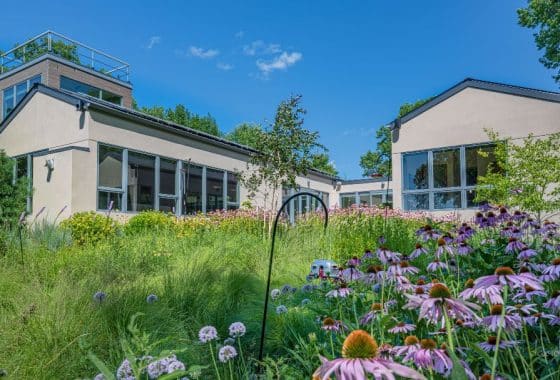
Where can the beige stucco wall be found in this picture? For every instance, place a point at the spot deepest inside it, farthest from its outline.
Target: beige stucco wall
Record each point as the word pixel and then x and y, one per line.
pixel 461 120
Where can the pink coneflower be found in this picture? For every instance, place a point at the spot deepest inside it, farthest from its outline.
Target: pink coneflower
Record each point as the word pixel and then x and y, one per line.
pixel 443 248
pixel 368 255
pixel 490 344
pixel 351 274
pixel 332 325
pixel 436 265
pixel 528 293
pixel 342 292
pixel 514 245
pixel 418 251
pixel 354 262
pixel 416 300
pixel 374 274
pixel 522 310
pixel 375 310
pixel 526 253
pixel 411 345
pixel 495 320
pixel 402 328
pixel 386 256
pixel 506 276
pixel 439 298
pixel 533 319
pixel 464 249
pixel 427 233
pixel 406 268
pixel 431 357
pixel 491 293
pixel 554 302
pixel 552 272
pixel 360 358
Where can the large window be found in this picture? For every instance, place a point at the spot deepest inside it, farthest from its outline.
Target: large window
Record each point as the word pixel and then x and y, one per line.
pixel 444 179
pixel 84 88
pixel 109 178
pixel 141 182
pixel 366 199
pixel 192 189
pixel 23 168
pixel 132 181
pixel 13 94
pixel 214 190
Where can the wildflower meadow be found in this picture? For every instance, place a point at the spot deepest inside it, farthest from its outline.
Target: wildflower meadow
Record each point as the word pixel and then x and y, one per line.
pixel 157 297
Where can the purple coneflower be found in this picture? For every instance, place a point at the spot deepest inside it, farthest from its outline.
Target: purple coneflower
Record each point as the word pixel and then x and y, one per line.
pixel 533 319
pixel 418 251
pixel 522 310
pixel 374 274
pixel 491 293
pixel 411 345
pixel 495 320
pixel 360 358
pixel 431 357
pixel 376 308
pixel 367 255
pixel 443 248
pixel 439 299
pixel 464 249
pixel 354 262
pixel 351 274
pixel 342 292
pixel 402 328
pixel 552 272
pixel 514 245
pixel 526 253
pixel 436 265
pixel 506 276
pixel 332 325
pixel 386 256
pixel 554 302
pixel 528 293
pixel 490 344
pixel 415 301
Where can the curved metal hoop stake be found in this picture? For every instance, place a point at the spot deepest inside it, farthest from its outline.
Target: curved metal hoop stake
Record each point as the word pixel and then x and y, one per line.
pixel 267 295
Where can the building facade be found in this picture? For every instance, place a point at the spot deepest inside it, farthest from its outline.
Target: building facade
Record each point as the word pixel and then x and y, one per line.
pixel 68 121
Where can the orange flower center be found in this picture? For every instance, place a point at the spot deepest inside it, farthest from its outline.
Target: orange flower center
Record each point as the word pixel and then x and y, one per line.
pixel 328 322
pixel 359 345
pixel 428 344
pixel 504 271
pixel 411 340
pixel 439 291
pixel 496 309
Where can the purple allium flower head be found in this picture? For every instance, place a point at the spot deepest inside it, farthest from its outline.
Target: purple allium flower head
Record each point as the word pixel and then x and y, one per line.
pixel 286 289
pixel 506 276
pixel 99 376
pixel 361 358
pixel 307 288
pixel 305 302
pixel 229 341
pixel 490 344
pixel 227 353
pixel 275 293
pixel 207 334
pixel 237 329
pixel 152 298
pixel 99 297
pixel 124 372
pixel 281 309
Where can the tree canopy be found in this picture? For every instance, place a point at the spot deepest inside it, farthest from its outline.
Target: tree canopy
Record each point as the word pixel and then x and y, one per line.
pixel 378 161
pixel 246 134
pixel 544 17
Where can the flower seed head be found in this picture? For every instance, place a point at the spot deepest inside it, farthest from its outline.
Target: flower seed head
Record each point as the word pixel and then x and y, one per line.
pixel 439 291
pixel 504 271
pixel 428 344
pixel 411 340
pixel 359 345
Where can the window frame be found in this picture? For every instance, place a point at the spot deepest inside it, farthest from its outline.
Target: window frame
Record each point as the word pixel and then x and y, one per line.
pixel 99 90
pixel 384 195
pixel 179 182
pixel 28 83
pixel 431 189
pixel 29 175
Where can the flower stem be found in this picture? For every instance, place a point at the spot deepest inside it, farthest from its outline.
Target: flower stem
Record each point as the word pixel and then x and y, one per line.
pixel 230 370
pixel 497 347
pixel 214 361
pixel 241 354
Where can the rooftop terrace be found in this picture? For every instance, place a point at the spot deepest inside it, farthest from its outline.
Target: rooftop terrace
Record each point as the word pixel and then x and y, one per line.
pixel 54 44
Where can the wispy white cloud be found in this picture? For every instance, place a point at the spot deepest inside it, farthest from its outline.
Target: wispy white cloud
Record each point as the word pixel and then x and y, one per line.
pixel 199 52
pixel 224 66
pixel 153 41
pixel 280 62
pixel 240 34
pixel 259 47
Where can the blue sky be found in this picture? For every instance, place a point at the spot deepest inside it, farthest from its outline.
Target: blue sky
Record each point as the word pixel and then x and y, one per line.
pixel 354 62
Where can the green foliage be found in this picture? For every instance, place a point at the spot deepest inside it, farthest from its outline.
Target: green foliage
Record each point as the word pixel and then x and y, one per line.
pixel 322 162
pixel 12 195
pixel 89 227
pixel 532 173
pixel 284 151
pixel 379 160
pixel 246 134
pixel 182 116
pixel 544 16
pixel 150 221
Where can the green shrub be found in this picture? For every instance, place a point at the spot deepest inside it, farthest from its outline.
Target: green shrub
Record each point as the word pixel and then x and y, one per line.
pixel 89 227
pixel 13 195
pixel 150 221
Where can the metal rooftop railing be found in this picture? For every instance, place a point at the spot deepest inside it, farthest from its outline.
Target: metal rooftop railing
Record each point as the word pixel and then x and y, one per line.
pixel 55 44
